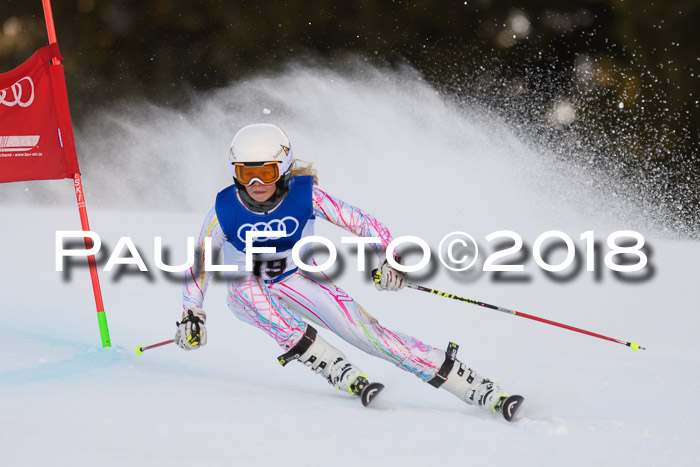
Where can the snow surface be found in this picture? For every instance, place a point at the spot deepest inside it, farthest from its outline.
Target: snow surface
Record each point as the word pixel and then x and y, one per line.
pixel 391 145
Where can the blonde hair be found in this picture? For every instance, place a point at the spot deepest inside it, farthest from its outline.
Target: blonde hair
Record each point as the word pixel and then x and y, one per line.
pixel 307 168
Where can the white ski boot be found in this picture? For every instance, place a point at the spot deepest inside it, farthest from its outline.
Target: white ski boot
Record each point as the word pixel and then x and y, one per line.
pixel 313 351
pixel 472 388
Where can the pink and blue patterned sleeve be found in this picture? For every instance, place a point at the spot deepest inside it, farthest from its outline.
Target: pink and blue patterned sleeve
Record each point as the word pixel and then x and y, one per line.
pixel 350 218
pixel 196 278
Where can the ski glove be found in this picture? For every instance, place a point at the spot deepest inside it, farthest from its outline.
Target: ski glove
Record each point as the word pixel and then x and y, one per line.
pixel 389 278
pixel 191 333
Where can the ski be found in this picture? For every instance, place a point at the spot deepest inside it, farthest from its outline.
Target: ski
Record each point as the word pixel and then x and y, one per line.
pixel 365 390
pixel 369 392
pixel 510 407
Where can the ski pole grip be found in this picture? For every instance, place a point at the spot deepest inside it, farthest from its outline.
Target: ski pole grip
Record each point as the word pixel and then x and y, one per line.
pixel 376 275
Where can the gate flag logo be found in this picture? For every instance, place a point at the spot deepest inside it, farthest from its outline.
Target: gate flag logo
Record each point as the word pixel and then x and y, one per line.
pixel 36 136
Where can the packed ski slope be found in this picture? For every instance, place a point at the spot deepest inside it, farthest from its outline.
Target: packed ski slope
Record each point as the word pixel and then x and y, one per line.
pixel 389 144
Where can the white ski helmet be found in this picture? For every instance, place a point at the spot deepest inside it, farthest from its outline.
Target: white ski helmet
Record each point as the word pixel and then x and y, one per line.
pixel 254 145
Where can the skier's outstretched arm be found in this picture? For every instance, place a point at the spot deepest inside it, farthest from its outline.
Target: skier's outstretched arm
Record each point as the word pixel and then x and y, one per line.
pixel 362 224
pixel 192 332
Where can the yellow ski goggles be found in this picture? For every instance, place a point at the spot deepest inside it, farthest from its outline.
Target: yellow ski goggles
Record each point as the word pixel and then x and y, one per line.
pixel 267 174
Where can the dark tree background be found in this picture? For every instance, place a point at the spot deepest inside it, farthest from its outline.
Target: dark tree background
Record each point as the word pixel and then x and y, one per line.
pixel 622 76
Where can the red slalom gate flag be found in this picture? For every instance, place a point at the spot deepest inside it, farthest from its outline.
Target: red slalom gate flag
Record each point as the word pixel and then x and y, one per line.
pixel 36 135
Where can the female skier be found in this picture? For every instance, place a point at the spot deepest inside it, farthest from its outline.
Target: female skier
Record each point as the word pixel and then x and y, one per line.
pixel 271 194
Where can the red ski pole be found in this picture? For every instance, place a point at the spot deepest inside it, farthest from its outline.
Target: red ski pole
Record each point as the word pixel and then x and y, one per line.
pixel 140 349
pixel 376 275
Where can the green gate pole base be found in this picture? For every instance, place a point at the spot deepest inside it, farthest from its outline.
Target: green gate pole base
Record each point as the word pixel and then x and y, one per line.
pixel 104 330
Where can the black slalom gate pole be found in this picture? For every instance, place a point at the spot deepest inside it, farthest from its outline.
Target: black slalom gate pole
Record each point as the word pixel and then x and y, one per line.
pixel 376 275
